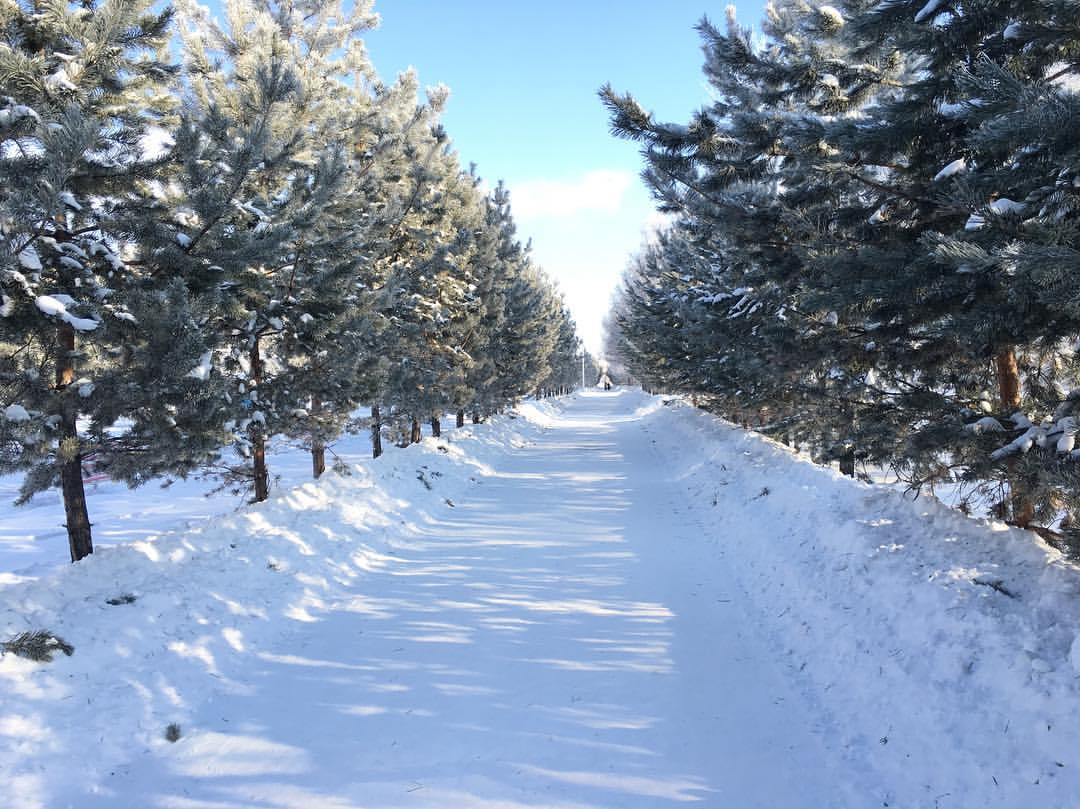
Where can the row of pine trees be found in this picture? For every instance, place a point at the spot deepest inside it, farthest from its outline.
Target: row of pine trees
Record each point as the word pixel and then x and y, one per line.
pixel 215 232
pixel 874 250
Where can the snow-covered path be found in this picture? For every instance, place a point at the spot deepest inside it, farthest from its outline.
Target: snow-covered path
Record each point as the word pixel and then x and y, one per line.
pixel 554 640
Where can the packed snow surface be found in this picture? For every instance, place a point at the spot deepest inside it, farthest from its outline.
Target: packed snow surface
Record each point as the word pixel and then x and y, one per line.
pixel 612 601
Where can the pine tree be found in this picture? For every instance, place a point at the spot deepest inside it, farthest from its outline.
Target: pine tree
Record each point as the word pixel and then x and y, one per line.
pixel 750 177
pixel 497 258
pixel 888 188
pixel 82 88
pixel 429 283
pixel 958 320
pixel 265 158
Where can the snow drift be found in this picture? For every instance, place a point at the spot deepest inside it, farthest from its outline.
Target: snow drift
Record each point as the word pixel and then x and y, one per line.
pixel 946 650
pixel 940 653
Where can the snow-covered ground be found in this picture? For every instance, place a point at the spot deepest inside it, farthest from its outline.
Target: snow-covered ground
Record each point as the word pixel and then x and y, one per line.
pixel 605 602
pixel 33 539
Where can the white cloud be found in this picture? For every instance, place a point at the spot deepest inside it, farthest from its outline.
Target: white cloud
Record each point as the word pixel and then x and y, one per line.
pixel 655 224
pixel 601 190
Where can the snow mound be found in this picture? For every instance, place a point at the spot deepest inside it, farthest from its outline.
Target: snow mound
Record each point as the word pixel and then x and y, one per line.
pixel 942 637
pixel 160 623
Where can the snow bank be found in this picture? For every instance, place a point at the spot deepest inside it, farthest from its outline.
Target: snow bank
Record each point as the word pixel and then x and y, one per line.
pixel 943 653
pixel 162 623
pixel 947 647
pixel 541 412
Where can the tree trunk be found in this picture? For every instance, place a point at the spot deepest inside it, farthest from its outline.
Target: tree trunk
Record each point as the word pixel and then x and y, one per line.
pixel 436 427
pixel 476 417
pixel 258 458
pixel 461 418
pixel 416 435
pixel 258 433
pixel 847 462
pixel 376 432
pixel 1023 510
pixel 1008 379
pixel 80 541
pixel 318 449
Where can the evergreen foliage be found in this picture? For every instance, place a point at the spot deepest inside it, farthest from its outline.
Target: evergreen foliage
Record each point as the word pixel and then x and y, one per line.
pixel 40 646
pixel 253 242
pixel 875 224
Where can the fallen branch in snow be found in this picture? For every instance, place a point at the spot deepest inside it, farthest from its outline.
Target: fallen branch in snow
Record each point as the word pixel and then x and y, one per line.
pixel 996 584
pixel 39 646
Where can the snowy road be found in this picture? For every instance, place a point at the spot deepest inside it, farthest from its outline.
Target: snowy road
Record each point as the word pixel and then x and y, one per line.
pixel 557 640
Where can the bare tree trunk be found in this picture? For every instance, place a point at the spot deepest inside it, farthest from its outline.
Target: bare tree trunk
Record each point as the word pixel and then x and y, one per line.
pixel 376 432
pixel 258 457
pixel 847 462
pixel 258 433
pixel 476 417
pixel 69 459
pixel 318 449
pixel 416 435
pixel 436 427
pixel 1008 379
pixel 461 418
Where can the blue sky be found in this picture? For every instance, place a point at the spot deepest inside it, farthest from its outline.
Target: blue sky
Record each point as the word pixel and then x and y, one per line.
pixel 524 77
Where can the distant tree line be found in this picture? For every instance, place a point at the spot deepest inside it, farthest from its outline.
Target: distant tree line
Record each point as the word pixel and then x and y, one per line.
pixel 212 233
pixel 875 242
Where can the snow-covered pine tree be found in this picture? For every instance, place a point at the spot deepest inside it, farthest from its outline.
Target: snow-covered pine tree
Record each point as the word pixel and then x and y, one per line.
pixel 528 333
pixel 1017 104
pixel 957 323
pixel 662 320
pixel 329 308
pixel 496 259
pixel 429 283
pixel 745 175
pixel 398 181
pixel 82 321
pixel 565 358
pixel 458 285
pixel 910 166
pixel 487 269
pixel 264 158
